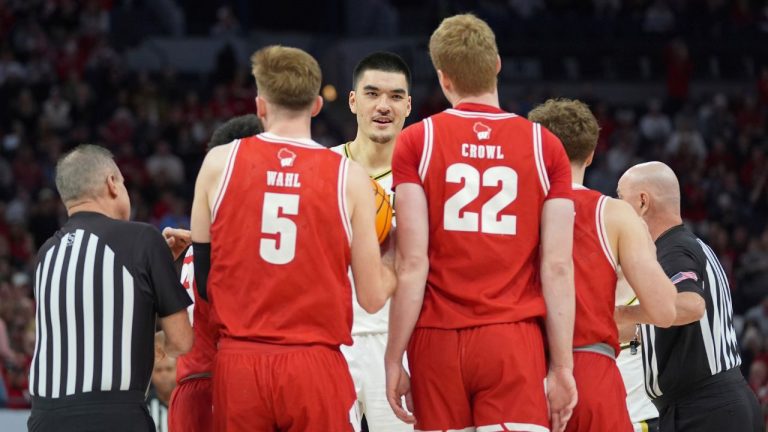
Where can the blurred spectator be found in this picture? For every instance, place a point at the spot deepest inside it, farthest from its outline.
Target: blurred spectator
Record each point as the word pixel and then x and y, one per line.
pixel 164 167
pixel 655 125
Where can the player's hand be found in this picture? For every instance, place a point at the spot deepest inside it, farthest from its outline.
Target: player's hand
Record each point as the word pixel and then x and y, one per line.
pixel 562 397
pixel 178 240
pixel 399 386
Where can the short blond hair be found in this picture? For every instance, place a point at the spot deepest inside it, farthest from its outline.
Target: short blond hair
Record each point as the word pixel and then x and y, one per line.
pixel 285 76
pixel 572 122
pixel 464 48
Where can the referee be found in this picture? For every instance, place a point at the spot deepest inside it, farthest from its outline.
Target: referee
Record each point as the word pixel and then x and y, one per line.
pixel 100 282
pixel 691 369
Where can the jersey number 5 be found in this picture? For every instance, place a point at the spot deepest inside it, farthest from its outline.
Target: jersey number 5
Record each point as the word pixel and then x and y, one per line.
pixel 488 221
pixel 280 250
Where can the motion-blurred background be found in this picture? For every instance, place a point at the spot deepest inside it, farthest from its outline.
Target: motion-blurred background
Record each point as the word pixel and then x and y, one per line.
pixel 682 81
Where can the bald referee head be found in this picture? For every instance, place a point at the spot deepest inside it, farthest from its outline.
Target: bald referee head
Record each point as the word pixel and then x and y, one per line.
pixel 654 192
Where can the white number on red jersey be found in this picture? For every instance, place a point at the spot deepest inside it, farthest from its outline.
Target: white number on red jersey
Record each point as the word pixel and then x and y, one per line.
pixel 489 220
pixel 273 221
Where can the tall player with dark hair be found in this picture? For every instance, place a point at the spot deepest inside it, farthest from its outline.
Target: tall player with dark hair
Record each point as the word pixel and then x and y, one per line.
pixel 485 232
pixel 191 404
pixel 607 235
pixel 277 221
pixel 380 99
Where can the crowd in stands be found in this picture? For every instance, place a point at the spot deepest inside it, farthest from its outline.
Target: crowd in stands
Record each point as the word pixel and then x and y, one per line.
pixel 63 82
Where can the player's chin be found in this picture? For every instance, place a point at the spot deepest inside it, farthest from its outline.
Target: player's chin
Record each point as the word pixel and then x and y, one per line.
pixel 381 138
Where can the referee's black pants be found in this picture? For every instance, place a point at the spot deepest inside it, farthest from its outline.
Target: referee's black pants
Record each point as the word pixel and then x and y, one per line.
pixel 725 404
pixel 92 412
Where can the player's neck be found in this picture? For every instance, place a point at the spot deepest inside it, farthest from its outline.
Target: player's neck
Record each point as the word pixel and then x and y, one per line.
pixel 290 127
pixel 375 158
pixel 491 99
pixel 577 174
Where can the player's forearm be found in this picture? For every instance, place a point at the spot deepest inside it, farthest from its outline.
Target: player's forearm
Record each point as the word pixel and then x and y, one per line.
pixel 626 331
pixel 559 295
pixel 690 308
pixel 405 307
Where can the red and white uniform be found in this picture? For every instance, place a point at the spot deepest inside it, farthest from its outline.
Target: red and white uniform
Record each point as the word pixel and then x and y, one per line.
pixel 280 249
pixel 601 390
pixel 486 174
pixel 191 402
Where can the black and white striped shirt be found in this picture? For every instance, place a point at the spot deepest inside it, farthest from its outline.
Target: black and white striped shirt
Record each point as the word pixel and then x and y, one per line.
pixel 678 358
pixel 99 285
pixel 158 410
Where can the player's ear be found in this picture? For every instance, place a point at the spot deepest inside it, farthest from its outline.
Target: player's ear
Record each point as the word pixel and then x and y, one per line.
pixel 588 162
pixel 261 107
pixel 352 100
pixel 408 107
pixel 498 64
pixel 317 105
pixel 444 81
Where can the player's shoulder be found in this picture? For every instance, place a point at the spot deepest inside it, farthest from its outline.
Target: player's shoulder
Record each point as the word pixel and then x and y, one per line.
pixel 341 149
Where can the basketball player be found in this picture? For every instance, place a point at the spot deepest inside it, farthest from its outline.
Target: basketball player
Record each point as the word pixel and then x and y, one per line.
pixel 190 408
pixel 381 101
pixel 276 222
pixel 642 412
pixel 607 234
pixel 484 213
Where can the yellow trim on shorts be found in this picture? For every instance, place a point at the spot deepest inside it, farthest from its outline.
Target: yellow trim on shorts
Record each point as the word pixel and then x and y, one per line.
pixel 644 426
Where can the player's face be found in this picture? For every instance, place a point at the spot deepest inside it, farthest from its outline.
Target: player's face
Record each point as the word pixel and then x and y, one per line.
pixel 381 103
pixel 164 375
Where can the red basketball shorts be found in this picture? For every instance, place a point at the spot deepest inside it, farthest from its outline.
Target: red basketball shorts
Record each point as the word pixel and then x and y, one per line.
pixel 265 387
pixel 489 377
pixel 191 406
pixel 602 402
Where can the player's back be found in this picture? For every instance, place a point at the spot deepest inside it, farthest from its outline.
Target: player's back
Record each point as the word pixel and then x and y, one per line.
pixel 594 272
pixel 280 244
pixel 484 173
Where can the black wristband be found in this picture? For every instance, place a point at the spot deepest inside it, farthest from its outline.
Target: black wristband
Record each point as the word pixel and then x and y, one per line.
pixel 202 258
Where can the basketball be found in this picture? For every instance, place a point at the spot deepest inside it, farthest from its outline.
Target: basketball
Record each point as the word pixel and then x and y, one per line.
pixel 383 211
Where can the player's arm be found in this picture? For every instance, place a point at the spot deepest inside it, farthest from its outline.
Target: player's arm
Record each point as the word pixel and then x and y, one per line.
pixel 374 281
pixel 557 279
pixel 178 333
pixel 207 182
pixel 557 282
pixel 412 264
pixel 637 257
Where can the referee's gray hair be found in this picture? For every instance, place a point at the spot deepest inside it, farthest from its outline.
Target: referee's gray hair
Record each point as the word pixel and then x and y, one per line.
pixel 81 172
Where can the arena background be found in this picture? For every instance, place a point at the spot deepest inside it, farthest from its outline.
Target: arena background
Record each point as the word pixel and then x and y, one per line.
pixel 685 82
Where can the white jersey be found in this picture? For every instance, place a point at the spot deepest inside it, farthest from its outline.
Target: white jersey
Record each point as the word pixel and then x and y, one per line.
pixel 631 367
pixel 363 322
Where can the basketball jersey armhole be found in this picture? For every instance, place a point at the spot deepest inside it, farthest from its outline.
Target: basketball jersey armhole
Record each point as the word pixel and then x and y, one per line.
pixel 426 152
pixel 602 232
pixel 538 153
pixel 225 177
pixel 346 221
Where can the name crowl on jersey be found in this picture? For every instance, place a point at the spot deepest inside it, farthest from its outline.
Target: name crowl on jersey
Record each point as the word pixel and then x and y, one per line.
pixel 481 151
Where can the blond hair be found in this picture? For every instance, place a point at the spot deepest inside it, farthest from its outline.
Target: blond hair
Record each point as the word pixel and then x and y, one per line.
pixel 464 48
pixel 572 122
pixel 285 76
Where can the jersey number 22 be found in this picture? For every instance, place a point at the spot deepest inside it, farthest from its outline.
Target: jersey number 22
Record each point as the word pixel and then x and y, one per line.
pixel 488 221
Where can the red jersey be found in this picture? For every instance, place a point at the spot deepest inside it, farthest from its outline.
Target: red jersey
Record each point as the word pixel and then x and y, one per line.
pixel 280 244
pixel 594 272
pixel 486 174
pixel 199 360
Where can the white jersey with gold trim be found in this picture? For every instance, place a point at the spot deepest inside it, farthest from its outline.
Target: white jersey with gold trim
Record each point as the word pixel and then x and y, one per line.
pixel 630 365
pixel 363 322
